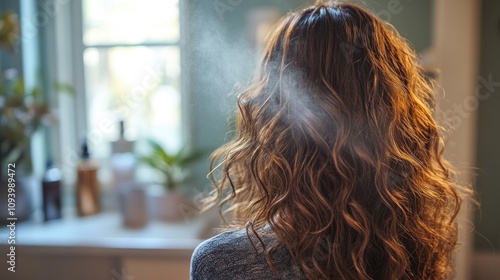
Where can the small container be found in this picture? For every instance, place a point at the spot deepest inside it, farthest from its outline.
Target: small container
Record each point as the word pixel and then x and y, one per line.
pixel 133 207
pixel 51 192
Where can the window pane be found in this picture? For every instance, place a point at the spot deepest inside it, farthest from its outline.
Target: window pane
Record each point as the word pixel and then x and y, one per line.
pixel 137 84
pixel 130 21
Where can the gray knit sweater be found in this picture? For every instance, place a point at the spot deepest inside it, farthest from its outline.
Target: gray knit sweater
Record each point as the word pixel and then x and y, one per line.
pixel 231 256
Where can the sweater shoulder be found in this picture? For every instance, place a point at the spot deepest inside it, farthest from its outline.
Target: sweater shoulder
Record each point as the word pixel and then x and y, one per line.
pixel 226 241
pixel 218 255
pixel 233 255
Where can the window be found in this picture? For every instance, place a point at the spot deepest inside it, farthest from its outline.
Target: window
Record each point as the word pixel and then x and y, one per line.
pixel 131 61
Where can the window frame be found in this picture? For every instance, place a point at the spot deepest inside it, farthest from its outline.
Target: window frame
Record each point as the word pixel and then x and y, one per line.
pixel 66 52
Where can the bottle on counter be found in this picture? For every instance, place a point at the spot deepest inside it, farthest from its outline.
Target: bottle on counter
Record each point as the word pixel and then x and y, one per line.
pixel 87 185
pixel 123 161
pixel 122 164
pixel 51 192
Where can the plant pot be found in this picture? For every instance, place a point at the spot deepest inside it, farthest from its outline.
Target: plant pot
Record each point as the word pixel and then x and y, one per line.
pixel 167 206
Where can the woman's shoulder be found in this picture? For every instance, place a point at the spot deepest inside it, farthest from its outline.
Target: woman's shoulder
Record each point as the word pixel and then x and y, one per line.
pixel 224 244
pixel 233 255
pixel 220 256
pixel 228 245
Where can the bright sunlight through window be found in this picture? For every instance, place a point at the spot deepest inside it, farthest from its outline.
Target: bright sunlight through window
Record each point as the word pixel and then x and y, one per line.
pixel 132 69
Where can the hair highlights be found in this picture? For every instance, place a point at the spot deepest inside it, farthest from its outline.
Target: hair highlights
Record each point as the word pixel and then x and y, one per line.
pixel 338 151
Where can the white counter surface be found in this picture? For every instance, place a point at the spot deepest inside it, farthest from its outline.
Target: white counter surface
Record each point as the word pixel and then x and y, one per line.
pixel 104 234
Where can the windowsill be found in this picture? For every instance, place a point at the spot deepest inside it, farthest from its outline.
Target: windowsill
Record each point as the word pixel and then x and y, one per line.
pixel 104 234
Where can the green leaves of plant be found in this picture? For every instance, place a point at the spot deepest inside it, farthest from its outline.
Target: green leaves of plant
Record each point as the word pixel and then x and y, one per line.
pixel 172 165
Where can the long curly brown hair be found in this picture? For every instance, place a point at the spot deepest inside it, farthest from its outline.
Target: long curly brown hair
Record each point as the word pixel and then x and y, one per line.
pixel 337 150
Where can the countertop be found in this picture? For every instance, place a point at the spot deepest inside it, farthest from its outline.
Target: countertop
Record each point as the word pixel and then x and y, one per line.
pixel 104 234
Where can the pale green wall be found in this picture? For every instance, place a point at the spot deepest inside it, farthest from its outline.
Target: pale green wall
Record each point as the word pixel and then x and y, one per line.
pixel 412 19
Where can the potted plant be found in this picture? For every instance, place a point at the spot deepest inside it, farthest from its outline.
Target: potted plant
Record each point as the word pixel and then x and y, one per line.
pixel 21 114
pixel 174 168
